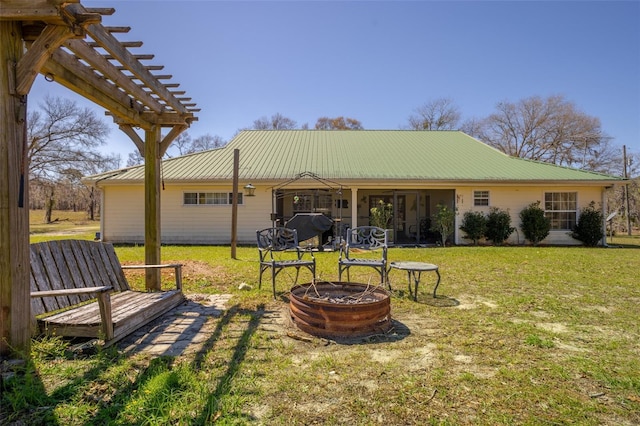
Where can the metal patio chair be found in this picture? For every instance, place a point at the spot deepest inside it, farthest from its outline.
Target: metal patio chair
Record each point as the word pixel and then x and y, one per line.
pixel 368 238
pixel 278 248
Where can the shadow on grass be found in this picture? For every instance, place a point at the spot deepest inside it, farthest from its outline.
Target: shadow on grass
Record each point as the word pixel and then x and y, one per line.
pixel 212 408
pixel 24 397
pixel 439 301
pixel 102 393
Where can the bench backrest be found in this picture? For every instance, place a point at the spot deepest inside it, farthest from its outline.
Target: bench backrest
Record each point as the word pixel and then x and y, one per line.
pixel 56 265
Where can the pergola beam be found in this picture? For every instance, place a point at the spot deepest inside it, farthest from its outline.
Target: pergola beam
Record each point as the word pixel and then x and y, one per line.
pixel 35 10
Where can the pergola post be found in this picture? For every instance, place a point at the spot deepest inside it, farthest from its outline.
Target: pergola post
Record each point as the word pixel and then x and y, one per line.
pixel 15 303
pixel 54 34
pixel 152 240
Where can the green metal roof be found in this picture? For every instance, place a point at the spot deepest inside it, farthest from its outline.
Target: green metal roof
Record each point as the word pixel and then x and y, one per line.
pixel 358 155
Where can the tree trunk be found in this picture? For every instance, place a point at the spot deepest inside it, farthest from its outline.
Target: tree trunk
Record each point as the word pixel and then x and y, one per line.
pixel 92 204
pixel 49 207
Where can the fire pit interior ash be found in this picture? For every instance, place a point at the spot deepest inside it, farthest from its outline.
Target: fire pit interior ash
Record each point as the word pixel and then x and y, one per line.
pixel 340 309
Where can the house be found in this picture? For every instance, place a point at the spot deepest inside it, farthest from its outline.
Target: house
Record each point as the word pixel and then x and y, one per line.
pixel 342 175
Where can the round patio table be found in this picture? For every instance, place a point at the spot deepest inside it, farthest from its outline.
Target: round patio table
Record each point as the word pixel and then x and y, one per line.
pixel 414 271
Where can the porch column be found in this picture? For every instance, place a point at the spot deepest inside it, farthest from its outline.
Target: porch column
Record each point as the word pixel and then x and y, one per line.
pixel 354 207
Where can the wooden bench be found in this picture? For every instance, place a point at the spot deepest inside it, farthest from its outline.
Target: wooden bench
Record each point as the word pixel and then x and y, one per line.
pixel 78 289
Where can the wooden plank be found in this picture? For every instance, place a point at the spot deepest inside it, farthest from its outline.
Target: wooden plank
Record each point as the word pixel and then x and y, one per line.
pixel 130 311
pixel 41 281
pixel 177 267
pixel 168 301
pixel 38 53
pixel 37 305
pixel 64 268
pixel 85 264
pixel 114 269
pixel 32 10
pixel 53 276
pixel 98 61
pixel 76 279
pixel 114 48
pixel 104 303
pixel 69 72
pixel 98 270
pixel 68 291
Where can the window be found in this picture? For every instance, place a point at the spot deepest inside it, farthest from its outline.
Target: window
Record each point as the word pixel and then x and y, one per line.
pixel 562 209
pixel 210 198
pixel 480 198
pixel 311 203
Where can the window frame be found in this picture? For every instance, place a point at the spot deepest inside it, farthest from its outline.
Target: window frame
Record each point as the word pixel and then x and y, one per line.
pixel 200 198
pixel 559 211
pixel 477 197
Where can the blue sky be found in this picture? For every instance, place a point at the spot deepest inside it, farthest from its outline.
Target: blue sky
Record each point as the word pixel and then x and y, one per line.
pixel 377 61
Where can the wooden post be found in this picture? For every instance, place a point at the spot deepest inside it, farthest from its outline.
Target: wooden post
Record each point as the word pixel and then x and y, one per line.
pixel 15 302
pixel 234 203
pixel 626 190
pixel 152 164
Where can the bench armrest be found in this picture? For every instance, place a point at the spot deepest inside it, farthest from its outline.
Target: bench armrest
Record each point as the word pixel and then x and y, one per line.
pixel 104 303
pixel 176 266
pixel 68 291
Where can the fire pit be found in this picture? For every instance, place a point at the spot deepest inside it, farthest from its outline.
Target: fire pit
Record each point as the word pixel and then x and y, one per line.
pixel 340 309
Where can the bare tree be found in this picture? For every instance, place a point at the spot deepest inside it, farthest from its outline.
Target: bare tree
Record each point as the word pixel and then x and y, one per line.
pixel 338 123
pixel 552 130
pixel 184 145
pixel 276 122
pixel 63 139
pixel 207 142
pixel 439 114
pixel 134 158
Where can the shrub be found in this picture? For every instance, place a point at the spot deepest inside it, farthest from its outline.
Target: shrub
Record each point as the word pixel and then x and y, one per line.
pixel 443 222
pixel 474 224
pixel 498 226
pixel 589 226
pixel 535 226
pixel 381 215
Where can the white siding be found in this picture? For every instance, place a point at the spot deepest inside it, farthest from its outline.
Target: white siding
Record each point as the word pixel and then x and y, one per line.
pixel 123 220
pixel 123 212
pixel 514 200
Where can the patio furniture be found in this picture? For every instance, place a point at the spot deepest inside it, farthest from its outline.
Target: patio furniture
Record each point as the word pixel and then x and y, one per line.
pixel 414 270
pixel 278 248
pixel 78 289
pixel 360 240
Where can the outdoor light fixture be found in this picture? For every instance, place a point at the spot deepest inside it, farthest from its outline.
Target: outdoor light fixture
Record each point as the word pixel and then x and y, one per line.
pixel 250 190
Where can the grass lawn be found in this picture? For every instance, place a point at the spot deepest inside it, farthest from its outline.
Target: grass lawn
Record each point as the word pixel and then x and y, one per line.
pixel 519 335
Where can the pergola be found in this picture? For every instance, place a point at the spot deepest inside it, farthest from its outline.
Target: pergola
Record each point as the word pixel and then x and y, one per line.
pixel 68 44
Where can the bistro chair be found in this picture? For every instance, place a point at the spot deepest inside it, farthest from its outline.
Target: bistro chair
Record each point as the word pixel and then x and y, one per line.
pixel 278 249
pixel 367 238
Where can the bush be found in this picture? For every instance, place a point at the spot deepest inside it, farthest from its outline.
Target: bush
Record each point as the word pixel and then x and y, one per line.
pixel 474 224
pixel 498 226
pixel 443 222
pixel 381 215
pixel 589 226
pixel 535 226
